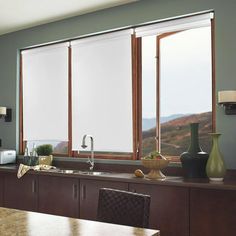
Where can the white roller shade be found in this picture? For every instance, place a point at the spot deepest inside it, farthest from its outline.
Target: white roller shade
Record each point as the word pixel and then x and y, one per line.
pixel 102 92
pixel 45 93
pixel 183 23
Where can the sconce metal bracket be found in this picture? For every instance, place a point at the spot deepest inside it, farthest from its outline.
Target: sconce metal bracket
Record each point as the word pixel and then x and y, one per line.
pixel 230 108
pixel 8 116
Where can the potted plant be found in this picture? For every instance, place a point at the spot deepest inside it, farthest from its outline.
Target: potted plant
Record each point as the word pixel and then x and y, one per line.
pixel 45 154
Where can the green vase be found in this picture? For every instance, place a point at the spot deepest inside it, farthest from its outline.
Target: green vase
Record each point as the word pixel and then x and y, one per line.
pixel 215 167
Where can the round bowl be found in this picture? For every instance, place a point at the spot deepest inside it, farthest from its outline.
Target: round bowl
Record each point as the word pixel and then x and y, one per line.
pixel 155 166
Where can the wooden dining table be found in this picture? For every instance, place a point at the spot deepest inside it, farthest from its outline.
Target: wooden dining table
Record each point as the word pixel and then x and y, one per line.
pixel 25 223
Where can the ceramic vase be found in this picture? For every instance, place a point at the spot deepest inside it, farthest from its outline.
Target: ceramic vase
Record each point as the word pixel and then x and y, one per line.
pixel 194 160
pixel 215 168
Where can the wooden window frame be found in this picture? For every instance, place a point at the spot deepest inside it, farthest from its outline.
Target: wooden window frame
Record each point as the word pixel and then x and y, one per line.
pixel 139 79
pixel 22 143
pixel 70 152
pixel 136 47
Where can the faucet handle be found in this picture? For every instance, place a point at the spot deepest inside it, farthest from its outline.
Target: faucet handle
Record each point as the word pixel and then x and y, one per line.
pixel 84 146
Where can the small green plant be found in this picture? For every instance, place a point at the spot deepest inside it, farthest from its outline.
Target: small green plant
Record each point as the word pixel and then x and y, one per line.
pixel 44 150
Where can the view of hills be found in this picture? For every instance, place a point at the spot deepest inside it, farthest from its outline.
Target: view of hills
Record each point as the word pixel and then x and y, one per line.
pixel 148 123
pixel 175 135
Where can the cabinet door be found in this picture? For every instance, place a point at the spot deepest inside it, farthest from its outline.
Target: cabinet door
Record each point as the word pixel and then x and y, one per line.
pixel 169 210
pixel 58 196
pixel 89 192
pixel 212 212
pixel 20 193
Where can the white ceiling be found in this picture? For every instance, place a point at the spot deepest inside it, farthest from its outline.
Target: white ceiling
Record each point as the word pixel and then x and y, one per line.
pixel 20 14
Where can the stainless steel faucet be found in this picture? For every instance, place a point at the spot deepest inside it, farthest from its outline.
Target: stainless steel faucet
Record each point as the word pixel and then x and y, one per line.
pixel 90 158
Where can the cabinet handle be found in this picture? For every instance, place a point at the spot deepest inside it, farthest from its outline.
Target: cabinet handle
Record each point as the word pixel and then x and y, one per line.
pixel 83 192
pixel 75 191
pixel 33 186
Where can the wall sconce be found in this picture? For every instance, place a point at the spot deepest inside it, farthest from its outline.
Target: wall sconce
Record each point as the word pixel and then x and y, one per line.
pixel 6 113
pixel 227 99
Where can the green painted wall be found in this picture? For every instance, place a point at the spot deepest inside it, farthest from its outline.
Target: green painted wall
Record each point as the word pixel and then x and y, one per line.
pixel 131 14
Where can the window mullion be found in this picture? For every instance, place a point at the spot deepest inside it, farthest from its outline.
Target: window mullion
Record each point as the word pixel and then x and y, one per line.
pixel 69 102
pixel 158 126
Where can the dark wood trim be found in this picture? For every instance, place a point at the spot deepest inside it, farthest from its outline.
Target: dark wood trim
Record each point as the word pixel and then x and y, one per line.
pixel 139 94
pixel 134 96
pixel 158 77
pixel 69 101
pixel 213 75
pixel 164 35
pixel 21 143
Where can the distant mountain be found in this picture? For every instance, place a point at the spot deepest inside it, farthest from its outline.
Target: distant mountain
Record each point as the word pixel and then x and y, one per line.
pixel 175 135
pixel 148 123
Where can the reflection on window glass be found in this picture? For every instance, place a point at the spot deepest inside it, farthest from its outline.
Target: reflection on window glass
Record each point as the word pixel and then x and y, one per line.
pixel 148 94
pixel 185 89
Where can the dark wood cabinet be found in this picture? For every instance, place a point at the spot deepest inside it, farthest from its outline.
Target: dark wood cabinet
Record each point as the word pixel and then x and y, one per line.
pixel 212 212
pixel 20 193
pixel 1 190
pixel 194 209
pixel 169 209
pixel 59 196
pixel 89 192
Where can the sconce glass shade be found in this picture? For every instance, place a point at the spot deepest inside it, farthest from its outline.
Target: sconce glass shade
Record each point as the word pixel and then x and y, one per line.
pixel 228 100
pixel 3 111
pixel 228 96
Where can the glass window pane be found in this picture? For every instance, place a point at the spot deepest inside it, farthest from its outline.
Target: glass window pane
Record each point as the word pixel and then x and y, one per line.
pixel 148 94
pixel 58 147
pixel 45 93
pixel 185 89
pixel 102 93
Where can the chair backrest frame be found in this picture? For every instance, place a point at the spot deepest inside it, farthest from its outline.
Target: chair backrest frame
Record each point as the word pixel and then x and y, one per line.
pixel 123 207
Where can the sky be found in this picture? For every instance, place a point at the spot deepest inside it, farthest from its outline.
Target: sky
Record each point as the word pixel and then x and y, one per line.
pixel 185 64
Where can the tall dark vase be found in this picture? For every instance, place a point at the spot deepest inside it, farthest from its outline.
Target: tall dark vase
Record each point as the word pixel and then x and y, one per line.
pixel 194 160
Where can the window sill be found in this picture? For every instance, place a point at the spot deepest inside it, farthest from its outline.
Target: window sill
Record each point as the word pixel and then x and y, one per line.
pixel 65 159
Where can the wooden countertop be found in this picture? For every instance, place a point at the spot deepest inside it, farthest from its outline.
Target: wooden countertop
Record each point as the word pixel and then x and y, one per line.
pixel 130 178
pixel 25 223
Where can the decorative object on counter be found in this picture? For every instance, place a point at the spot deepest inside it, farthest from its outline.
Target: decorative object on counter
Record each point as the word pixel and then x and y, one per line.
pixel 215 168
pixel 6 113
pixel 227 99
pixel 138 173
pixel 194 160
pixel 155 162
pixel 31 159
pixel 45 154
pixel 23 169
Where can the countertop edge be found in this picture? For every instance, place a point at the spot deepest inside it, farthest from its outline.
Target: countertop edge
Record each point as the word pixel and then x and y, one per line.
pixel 176 181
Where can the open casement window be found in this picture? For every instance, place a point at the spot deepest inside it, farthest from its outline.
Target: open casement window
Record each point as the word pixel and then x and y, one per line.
pixel 176 84
pixel 44 97
pixel 102 94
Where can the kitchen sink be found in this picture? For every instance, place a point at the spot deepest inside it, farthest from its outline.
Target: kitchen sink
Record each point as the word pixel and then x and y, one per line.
pixel 94 173
pixel 67 171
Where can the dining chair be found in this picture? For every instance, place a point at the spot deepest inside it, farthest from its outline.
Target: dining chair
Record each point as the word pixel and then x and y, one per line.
pixel 124 208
